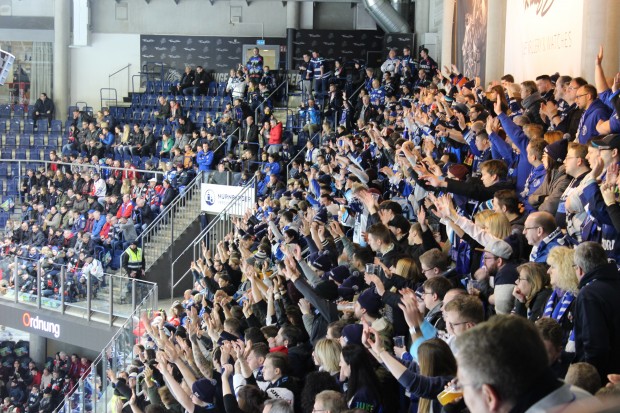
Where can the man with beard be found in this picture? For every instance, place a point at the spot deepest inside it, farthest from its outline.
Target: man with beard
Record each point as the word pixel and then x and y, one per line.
pixel 498 264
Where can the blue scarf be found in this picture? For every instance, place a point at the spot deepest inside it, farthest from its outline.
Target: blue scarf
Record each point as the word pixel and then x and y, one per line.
pixel 556 308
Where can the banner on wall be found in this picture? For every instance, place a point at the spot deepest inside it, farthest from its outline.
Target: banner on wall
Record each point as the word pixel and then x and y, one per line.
pixel 543 37
pixel 471 29
pixel 214 198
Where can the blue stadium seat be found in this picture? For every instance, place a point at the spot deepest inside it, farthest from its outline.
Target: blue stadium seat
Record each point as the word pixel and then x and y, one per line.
pixel 212 90
pixel 30 111
pixel 4 170
pixel 10 140
pixel 215 107
pixel 28 126
pixel 38 141
pixel 24 140
pixel 34 154
pixel 15 125
pixel 5 112
pixel 42 125
pixel 6 153
pixel 70 111
pixel 221 89
pixel 54 140
pixel 20 153
pixel 201 118
pixel 18 111
pixel 56 126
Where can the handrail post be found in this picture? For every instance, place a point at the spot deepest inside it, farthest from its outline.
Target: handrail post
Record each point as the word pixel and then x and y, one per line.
pixel 39 274
pixel 133 294
pixel 62 288
pixel 16 278
pixel 88 298
pixel 111 301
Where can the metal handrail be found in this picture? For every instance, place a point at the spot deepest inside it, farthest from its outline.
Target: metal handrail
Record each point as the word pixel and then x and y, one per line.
pixel 120 70
pixel 84 165
pixel 103 361
pixel 268 97
pixel 61 303
pixel 227 138
pixel 214 228
pixel 301 150
pixel 109 98
pixel 165 215
pixel 133 85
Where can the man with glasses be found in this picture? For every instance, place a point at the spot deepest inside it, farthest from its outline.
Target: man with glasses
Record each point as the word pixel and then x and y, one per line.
pixel 462 313
pixel 566 114
pixel 567 216
pixel 594 110
pixel 543 234
pixel 503 366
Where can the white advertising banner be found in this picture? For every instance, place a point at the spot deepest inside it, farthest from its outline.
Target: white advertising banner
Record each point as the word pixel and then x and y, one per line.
pixel 543 37
pixel 214 198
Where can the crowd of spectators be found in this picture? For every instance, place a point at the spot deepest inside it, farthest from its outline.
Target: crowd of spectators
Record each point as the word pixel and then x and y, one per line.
pixel 31 388
pixel 446 244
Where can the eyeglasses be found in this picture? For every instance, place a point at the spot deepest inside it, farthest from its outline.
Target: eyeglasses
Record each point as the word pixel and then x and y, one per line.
pixel 572 157
pixel 452 325
pixel 485 258
pixel 521 279
pixel 580 96
pixel 424 271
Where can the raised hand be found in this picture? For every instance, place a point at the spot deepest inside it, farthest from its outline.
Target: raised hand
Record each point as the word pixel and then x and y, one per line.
pixel 599 57
pixel 497 106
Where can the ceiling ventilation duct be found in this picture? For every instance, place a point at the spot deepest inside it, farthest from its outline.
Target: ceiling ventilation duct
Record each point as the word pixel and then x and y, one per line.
pixel 387 17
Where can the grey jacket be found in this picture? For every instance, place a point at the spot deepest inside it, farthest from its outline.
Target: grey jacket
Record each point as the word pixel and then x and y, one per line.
pixel 547 196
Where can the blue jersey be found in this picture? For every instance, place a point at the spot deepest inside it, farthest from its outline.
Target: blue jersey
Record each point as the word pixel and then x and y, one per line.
pixel 587 125
pixel 377 96
pixel 314 68
pixel 255 65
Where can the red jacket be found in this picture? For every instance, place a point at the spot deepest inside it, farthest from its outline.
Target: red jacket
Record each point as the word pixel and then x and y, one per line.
pixel 275 134
pixel 125 210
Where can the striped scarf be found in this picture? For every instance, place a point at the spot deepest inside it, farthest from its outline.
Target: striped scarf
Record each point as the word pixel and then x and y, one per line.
pixel 551 308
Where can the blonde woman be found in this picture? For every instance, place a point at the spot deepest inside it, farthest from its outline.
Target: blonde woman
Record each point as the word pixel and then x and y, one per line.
pixel 326 356
pixel 126 187
pixel 498 225
pixel 565 287
pixel 123 147
pixel 531 291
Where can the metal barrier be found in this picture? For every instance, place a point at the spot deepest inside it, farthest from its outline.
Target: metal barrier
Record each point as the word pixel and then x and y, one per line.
pixel 216 229
pixel 269 97
pixel 314 139
pixel 70 292
pixel 174 213
pixel 94 391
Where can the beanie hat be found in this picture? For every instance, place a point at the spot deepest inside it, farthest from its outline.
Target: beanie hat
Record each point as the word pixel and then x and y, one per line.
pixel 338 274
pixel 204 389
pixel 321 262
pixel 459 171
pixel 353 333
pixel 370 301
pixel 557 150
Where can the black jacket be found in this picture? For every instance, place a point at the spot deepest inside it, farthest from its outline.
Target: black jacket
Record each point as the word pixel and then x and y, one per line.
pixel 597 325
pixel 250 134
pixel 474 188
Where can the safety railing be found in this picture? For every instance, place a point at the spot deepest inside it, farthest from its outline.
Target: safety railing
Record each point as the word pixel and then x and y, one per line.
pixel 66 289
pixel 259 107
pixel 170 223
pixel 315 139
pixel 108 99
pixel 17 168
pixel 94 391
pixel 216 229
